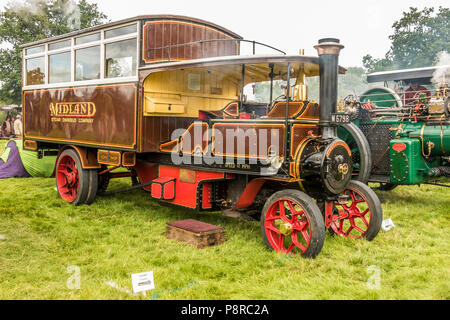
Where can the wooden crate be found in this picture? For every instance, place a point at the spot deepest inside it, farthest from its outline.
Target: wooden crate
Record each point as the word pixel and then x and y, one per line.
pixel 196 233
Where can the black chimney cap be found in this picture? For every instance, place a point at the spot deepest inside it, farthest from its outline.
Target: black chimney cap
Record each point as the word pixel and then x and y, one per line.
pixel 329 40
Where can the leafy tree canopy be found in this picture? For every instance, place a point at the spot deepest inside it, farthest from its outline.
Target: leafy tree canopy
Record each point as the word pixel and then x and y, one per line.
pixel 32 20
pixel 352 82
pixel 418 38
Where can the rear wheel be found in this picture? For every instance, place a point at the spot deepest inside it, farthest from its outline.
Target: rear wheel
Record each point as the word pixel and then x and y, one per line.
pixel 360 216
pixel 292 223
pixel 72 181
pixel 93 186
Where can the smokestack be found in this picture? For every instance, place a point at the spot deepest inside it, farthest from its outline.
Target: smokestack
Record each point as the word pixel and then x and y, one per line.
pixel 328 50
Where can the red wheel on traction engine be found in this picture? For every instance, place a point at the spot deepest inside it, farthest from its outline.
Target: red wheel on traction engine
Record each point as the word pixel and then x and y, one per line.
pixel 360 216
pixel 72 181
pixel 291 223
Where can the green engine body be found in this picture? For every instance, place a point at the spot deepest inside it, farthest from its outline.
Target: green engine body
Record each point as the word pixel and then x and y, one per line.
pixel 418 148
pixel 406 163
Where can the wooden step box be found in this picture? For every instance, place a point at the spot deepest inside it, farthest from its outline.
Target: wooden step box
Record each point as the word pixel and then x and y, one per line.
pixel 196 233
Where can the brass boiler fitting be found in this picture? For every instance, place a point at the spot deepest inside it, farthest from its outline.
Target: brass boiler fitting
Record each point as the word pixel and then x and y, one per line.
pixel 301 88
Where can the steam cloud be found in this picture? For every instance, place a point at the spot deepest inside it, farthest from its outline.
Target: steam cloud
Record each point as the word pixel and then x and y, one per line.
pixel 444 63
pixel 70 10
pixel 72 13
pixel 34 7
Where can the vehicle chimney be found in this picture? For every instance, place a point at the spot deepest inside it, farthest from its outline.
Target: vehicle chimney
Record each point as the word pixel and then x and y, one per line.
pixel 328 50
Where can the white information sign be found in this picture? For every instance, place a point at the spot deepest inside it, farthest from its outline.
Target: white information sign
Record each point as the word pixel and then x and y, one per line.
pixel 142 281
pixel 387 224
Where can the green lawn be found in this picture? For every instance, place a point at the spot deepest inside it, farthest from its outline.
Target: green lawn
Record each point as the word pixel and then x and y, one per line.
pixel 123 234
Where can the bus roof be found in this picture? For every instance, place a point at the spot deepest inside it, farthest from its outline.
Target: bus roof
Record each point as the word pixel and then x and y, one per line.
pixel 129 20
pixel 310 64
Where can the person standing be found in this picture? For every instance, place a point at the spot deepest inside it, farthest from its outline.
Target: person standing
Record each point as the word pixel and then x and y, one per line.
pixel 8 126
pixel 18 129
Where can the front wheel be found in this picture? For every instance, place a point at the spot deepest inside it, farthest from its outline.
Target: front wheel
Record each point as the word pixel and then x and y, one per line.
pixel 291 222
pixel 360 216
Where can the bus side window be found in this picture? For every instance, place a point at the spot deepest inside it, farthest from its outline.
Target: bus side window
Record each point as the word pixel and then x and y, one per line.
pixel 121 58
pixel 35 68
pixel 87 63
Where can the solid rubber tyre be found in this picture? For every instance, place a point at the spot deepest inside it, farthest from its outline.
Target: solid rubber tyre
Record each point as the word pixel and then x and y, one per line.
pixel 93 186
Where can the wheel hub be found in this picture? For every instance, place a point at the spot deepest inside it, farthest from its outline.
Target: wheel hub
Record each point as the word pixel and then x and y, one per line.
pixel 71 178
pixel 286 228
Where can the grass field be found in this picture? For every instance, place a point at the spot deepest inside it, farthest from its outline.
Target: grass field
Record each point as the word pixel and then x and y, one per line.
pixel 43 240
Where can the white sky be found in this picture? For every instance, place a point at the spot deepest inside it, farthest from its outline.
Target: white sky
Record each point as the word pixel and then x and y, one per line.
pixel 362 26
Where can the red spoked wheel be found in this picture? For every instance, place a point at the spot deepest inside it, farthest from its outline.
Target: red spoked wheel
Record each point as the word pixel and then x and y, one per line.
pixel 67 178
pixel 291 223
pixel 72 180
pixel 287 226
pixel 360 216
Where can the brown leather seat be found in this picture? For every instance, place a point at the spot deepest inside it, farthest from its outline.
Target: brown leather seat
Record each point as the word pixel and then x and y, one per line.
pixel 231 111
pixel 279 109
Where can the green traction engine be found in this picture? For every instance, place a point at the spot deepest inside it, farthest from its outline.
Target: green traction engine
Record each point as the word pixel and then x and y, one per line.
pixel 400 136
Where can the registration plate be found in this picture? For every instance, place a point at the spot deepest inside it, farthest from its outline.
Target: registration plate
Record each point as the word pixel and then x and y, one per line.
pixel 340 118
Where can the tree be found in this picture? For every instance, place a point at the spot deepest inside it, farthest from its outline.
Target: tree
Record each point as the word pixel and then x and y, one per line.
pixel 33 20
pixel 371 64
pixel 419 36
pixel 352 82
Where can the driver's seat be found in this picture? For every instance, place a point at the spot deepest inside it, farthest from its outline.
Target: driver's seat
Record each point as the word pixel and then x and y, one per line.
pixel 231 111
pixel 279 109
